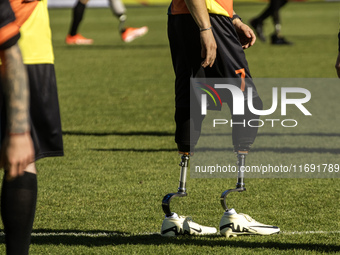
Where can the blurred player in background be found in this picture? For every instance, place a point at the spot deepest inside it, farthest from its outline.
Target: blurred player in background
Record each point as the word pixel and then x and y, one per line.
pixel 19 191
pixel 272 10
pixel 337 64
pixel 127 34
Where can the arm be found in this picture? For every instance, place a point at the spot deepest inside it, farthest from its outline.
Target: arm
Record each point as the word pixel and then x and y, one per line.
pixel 17 149
pixel 245 33
pixel 199 12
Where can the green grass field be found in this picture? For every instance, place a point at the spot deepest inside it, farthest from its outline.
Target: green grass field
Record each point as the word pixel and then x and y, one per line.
pixel 117 106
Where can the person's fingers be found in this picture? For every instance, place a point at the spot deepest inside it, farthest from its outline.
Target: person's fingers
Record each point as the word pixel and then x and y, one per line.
pixel 253 38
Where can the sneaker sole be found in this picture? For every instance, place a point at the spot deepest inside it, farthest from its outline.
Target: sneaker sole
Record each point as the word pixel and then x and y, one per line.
pixel 230 233
pixel 79 43
pixel 136 35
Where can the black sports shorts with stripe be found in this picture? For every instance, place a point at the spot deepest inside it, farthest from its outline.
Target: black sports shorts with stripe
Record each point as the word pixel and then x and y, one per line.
pixel 184 39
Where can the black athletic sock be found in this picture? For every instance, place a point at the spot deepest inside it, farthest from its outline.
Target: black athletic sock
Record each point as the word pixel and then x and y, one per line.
pixel 18 203
pixel 78 12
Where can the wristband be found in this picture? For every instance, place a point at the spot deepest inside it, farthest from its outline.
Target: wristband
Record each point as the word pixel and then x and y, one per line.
pixel 205 29
pixel 236 17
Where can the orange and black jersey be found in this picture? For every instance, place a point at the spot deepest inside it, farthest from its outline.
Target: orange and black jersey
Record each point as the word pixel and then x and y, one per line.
pixel 10 23
pixel 220 7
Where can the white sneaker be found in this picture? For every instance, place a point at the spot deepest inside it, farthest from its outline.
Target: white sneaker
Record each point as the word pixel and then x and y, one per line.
pixel 192 228
pixel 233 224
pixel 173 225
pixel 180 225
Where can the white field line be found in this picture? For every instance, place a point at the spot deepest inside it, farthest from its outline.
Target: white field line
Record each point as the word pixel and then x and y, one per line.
pixel 308 232
pixel 110 234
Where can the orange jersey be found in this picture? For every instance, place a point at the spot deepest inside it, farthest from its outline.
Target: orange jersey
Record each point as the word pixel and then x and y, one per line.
pixel 221 7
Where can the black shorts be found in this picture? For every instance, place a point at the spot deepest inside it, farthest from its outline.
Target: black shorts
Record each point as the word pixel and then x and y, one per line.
pixel 185 45
pixel 44 112
pixel 184 39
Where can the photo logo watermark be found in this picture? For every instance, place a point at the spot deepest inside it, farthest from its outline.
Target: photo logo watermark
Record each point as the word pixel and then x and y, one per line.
pixel 293 120
pixel 239 98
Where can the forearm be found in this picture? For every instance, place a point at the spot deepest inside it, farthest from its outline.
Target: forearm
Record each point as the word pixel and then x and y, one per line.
pixel 236 21
pixel 199 12
pixel 15 88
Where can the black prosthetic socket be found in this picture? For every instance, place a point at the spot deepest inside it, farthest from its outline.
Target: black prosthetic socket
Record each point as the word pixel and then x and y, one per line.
pixel 78 13
pixel 188 129
pixel 242 132
pixel 18 203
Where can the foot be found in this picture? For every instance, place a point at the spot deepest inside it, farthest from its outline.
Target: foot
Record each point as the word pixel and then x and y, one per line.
pixel 132 33
pixel 78 39
pixel 278 40
pixel 258 27
pixel 234 224
pixel 180 225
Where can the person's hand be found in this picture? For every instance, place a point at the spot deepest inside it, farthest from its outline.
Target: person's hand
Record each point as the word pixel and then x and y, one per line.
pixel 337 65
pixel 208 51
pixel 245 33
pixel 17 152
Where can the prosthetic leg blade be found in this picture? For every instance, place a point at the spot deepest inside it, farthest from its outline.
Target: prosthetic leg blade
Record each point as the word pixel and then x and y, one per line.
pixel 241 155
pixel 224 196
pixel 182 184
pixel 166 202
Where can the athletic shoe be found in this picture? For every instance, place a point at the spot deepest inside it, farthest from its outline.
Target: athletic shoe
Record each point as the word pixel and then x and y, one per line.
pixel 276 40
pixel 192 228
pixel 258 27
pixel 179 225
pixel 78 39
pixel 233 224
pixel 131 33
pixel 173 225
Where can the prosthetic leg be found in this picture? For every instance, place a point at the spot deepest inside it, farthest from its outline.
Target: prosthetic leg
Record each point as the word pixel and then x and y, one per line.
pixel 174 225
pixel 128 34
pixel 118 9
pixel 234 224
pixel 182 185
pixel 241 156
